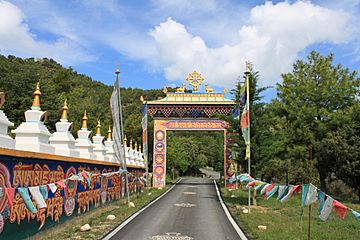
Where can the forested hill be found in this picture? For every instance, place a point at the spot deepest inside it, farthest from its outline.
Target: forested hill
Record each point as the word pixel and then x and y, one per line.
pixel 18 78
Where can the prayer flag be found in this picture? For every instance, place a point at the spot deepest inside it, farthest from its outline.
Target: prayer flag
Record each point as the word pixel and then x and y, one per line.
pixel 44 191
pixel 52 187
pixel 340 209
pixel 321 199
pixel 283 193
pixel 304 192
pixel 61 183
pixel 272 192
pixel 36 195
pixel 10 194
pixel 264 188
pixel 325 212
pixel 356 214
pixel 311 195
pixel 24 193
pixel 268 189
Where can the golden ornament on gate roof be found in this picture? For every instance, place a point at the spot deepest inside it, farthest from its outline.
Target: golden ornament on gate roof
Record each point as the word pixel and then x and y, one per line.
pixel 195 79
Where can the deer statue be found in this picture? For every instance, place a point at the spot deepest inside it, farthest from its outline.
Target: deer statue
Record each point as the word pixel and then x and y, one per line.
pixel 208 90
pixel 181 90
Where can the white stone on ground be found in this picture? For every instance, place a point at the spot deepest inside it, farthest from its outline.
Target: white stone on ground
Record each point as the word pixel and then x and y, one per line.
pixel 110 217
pixel 159 188
pixel 262 227
pixel 85 228
pixel 245 211
pixel 131 205
pixel 233 196
pixel 149 193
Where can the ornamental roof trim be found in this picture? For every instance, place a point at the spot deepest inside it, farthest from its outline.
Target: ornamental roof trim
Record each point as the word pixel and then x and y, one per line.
pixel 193 98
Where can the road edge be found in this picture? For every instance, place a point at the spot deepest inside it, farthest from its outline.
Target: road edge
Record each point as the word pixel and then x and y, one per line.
pixel 128 220
pixel 228 215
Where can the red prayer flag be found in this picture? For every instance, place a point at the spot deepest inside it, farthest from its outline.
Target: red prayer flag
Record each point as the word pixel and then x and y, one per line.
pixel 268 189
pixel 61 183
pixel 340 209
pixel 85 175
pixel 10 194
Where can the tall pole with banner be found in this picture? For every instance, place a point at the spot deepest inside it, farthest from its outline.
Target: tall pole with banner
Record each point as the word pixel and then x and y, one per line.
pixel 145 139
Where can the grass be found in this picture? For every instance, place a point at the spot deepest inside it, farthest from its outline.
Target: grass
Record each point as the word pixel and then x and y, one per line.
pixel 97 218
pixel 288 220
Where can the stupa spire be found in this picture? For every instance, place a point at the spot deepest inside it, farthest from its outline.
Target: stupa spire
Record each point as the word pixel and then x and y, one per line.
pixel 84 121
pixel 98 128
pixel 125 141
pixel 64 113
pixel 36 101
pixel 109 134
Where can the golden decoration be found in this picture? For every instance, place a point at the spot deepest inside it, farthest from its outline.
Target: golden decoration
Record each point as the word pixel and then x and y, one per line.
pixel 64 113
pixel 98 128
pixel 195 79
pixel 131 145
pixel 248 66
pixel 125 141
pixel 225 90
pixel 181 90
pixel 165 90
pixel 109 134
pixel 2 99
pixel 208 90
pixel 140 148
pixel 142 99
pixel 84 121
pixel 37 94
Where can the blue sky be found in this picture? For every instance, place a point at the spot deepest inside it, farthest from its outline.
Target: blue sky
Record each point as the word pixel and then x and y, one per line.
pixel 158 42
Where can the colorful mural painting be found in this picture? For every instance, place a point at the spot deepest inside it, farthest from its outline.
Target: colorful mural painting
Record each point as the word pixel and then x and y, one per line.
pixel 74 198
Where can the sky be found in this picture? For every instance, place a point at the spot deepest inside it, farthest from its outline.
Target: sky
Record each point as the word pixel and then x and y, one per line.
pixel 159 42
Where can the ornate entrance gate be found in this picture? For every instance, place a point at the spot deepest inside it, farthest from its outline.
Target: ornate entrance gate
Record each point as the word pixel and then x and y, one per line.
pixel 187 110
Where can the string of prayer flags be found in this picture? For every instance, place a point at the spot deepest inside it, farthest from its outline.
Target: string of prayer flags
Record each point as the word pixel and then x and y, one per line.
pixel 24 193
pixel 76 177
pixel 36 195
pixel 10 194
pixel 340 209
pixel 325 212
pixel 52 187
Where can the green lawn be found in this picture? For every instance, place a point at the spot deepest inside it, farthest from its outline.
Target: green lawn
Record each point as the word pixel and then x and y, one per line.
pixel 288 220
pixel 97 219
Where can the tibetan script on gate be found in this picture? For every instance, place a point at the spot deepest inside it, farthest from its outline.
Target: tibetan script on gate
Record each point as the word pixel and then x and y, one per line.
pixel 199 124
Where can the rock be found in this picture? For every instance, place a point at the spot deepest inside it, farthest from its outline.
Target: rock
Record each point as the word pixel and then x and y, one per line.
pixel 160 188
pixel 243 208
pixel 262 227
pixel 229 189
pixel 233 196
pixel 149 193
pixel 85 228
pixel 131 205
pixel 245 211
pixel 110 217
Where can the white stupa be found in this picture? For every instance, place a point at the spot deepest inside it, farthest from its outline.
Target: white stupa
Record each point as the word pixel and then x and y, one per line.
pixel 33 135
pixel 99 148
pixel 83 143
pixel 62 140
pixel 132 154
pixel 109 146
pixel 5 140
pixel 141 155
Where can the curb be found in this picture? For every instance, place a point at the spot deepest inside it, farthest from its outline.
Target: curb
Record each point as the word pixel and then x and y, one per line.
pixel 228 215
pixel 123 224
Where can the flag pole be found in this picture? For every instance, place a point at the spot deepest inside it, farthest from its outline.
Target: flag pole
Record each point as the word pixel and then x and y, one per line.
pixel 122 135
pixel 248 105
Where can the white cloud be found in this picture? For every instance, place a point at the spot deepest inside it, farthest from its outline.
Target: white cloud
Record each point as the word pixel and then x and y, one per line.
pixel 272 38
pixel 16 38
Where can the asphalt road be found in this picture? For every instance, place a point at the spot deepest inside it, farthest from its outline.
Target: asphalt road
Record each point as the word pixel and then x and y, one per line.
pixel 190 211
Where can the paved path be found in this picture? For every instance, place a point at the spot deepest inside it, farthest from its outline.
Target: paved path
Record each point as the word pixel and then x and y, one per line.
pixel 190 211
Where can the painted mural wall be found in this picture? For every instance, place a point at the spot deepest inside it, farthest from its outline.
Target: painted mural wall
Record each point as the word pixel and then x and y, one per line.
pixel 77 197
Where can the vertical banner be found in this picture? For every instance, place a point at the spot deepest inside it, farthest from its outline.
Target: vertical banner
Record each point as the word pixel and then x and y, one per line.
pixel 144 123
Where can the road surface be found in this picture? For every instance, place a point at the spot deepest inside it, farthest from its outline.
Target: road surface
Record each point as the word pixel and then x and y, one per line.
pixel 190 211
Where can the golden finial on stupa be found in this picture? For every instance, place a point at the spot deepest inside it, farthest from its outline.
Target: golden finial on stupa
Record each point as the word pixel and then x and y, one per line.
pixel 109 134
pixel 36 101
pixel 125 140
pixel 140 148
pixel 131 145
pixel 64 113
pixel 136 146
pixel 98 128
pixel 84 121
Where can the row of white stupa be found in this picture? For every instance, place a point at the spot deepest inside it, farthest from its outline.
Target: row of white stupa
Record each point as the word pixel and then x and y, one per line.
pixel 32 135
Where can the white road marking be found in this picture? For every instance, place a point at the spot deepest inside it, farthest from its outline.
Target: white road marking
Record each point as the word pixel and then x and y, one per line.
pixel 170 236
pixel 231 219
pixel 190 193
pixel 187 205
